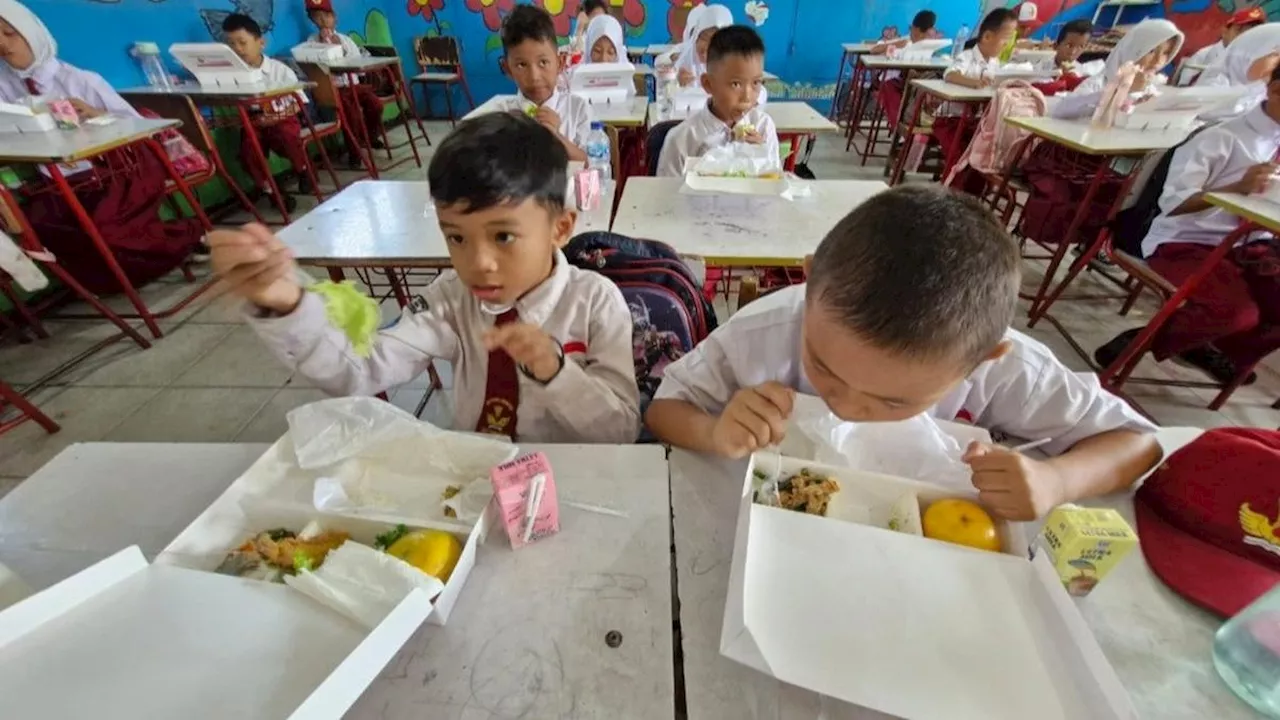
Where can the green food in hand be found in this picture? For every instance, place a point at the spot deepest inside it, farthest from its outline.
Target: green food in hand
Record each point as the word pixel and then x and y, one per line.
pixel 351 311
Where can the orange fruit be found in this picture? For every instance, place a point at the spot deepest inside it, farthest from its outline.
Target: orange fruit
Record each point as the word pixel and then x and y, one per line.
pixel 961 522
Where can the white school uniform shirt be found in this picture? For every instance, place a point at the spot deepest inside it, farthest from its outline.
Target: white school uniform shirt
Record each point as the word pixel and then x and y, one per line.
pixel 1213 158
pixel 1207 54
pixel 970 63
pixel 574 112
pixel 702 131
pixel 349 49
pixel 277 73
pixel 593 400
pixel 1026 394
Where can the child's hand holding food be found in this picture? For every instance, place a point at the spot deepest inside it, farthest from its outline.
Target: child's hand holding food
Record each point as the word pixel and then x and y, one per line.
pixel 256 266
pixel 548 119
pixel 530 346
pixel 1012 485
pixel 755 418
pixel 685 77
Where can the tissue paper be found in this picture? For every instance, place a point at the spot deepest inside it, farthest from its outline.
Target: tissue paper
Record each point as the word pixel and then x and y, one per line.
pixel 362 583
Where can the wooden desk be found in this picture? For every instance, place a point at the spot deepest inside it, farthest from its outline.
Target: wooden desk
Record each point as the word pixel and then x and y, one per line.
pixel 1158 643
pixel 790 118
pixel 627 114
pixel 527 636
pixel 1080 136
pixel 969 100
pixel 738 230
pixel 867 69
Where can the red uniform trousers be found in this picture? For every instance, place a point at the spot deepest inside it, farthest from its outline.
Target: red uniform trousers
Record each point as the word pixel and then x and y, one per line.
pixel 283 138
pixel 363 101
pixel 1236 307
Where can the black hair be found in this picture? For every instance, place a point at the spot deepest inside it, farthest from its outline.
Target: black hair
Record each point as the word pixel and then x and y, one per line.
pixel 1075 27
pixel 735 40
pixel 995 20
pixel 922 271
pixel 1275 74
pixel 237 21
pixel 527 22
pixel 499 158
pixel 924 20
pixel 590 6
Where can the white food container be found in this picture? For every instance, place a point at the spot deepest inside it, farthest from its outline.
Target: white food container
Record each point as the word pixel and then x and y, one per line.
pixel 906 625
pixel 215 65
pixel 320 53
pixel 124 640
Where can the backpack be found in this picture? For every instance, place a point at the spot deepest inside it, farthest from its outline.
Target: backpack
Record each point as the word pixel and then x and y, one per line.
pixel 995 141
pixel 669 315
pixel 1131 225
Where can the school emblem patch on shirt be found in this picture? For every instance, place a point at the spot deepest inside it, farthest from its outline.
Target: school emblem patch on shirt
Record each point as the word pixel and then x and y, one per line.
pixel 496 415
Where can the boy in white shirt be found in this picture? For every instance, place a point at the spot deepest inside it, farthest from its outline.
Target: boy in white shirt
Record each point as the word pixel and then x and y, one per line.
pixel 1240 21
pixel 541 350
pixel 361 101
pixel 734 80
pixel 977 66
pixel 1232 320
pixel 278 130
pixel 532 58
pixel 907 311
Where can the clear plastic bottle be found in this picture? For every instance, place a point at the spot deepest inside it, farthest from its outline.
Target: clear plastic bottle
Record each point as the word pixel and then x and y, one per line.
pixel 1246 652
pixel 148 55
pixel 598 151
pixel 962 37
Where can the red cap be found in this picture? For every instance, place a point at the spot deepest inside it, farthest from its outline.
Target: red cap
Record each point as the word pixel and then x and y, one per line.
pixel 319 5
pixel 1248 16
pixel 1209 518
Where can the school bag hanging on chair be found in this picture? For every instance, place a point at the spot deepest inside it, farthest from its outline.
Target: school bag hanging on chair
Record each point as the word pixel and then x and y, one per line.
pixel 995 141
pixel 669 315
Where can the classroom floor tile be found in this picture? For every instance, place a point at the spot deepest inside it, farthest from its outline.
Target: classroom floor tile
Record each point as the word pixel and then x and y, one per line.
pixel 210 380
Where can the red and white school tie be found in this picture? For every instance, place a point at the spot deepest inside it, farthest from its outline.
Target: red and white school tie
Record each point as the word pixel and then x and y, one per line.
pixel 501 390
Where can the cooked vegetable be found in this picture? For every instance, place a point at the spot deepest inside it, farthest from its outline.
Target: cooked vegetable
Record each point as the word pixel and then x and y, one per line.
pixel 389 538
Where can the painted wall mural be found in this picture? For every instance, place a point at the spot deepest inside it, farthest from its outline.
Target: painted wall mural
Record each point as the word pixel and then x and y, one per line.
pixel 262 11
pixel 1201 20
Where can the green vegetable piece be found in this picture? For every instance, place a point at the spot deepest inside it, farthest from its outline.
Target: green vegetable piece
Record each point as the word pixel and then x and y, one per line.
pixel 348 309
pixel 302 561
pixel 389 538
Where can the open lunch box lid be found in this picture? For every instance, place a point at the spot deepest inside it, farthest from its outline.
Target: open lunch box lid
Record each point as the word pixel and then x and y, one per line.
pixel 902 624
pixel 124 639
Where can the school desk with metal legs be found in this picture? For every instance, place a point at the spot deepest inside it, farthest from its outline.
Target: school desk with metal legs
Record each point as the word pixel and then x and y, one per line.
pixel 350 69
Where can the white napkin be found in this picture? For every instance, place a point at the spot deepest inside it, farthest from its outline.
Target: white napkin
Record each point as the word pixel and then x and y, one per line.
pixel 362 583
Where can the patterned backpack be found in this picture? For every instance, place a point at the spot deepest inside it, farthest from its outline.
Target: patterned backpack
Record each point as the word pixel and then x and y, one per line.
pixel 669 315
pixel 995 141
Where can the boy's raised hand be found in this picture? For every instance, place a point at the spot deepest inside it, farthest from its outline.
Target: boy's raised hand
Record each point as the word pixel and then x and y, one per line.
pixel 548 119
pixel 755 418
pixel 530 346
pixel 1012 485
pixel 256 266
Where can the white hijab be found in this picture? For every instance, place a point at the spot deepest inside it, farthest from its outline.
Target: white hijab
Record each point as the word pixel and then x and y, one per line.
pixel 713 17
pixel 1140 40
pixel 605 26
pixel 43 47
pixel 1232 67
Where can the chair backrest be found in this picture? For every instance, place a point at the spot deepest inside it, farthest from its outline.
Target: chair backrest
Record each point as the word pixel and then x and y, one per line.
pixel 1132 224
pixel 657 136
pixel 437 51
pixel 614 154
pixel 325 92
pixel 176 107
pixel 381 50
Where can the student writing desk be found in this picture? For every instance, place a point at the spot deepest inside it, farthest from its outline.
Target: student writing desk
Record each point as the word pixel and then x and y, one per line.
pixel 849 54
pixel 793 121
pixel 970 100
pixel 527 637
pixel 629 113
pixel 867 70
pixel 1158 643
pixel 55 149
pixel 737 230
pixel 390 68
pixel 387 225
pixel 1099 148
pixel 243 98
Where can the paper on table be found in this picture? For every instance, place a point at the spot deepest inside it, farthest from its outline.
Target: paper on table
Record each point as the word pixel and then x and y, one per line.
pixel 362 583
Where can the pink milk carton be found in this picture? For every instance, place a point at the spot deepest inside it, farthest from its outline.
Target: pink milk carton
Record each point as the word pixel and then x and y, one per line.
pixel 586 184
pixel 526 493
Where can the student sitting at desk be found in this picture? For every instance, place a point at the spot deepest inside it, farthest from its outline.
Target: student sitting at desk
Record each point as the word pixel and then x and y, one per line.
pixel 125 209
pixel 1239 22
pixel 1073 38
pixel 921 29
pixel 734 80
pixel 891 85
pixel 1149 45
pixel 973 68
pixel 907 311
pixel 279 129
pixel 591 9
pixel 691 63
pixel 1232 320
pixel 1246 64
pixel 360 100
pixel 541 350
pixel 530 56
pixel 604 41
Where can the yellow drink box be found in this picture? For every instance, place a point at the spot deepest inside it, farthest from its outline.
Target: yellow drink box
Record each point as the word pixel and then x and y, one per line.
pixel 1084 544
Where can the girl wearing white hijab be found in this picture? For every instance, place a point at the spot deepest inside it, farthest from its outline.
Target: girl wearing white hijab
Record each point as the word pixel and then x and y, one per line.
pixel 31 67
pixel 604 41
pixel 692 62
pixel 1248 60
pixel 690 21
pixel 1150 45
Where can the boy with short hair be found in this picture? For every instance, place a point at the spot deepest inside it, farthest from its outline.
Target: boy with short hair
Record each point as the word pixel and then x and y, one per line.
pixel 921 27
pixel 279 130
pixel 907 310
pixel 976 67
pixel 1232 320
pixel 531 57
pixel 734 80
pixel 1240 21
pixel 541 350
pixel 361 101
pixel 1073 38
